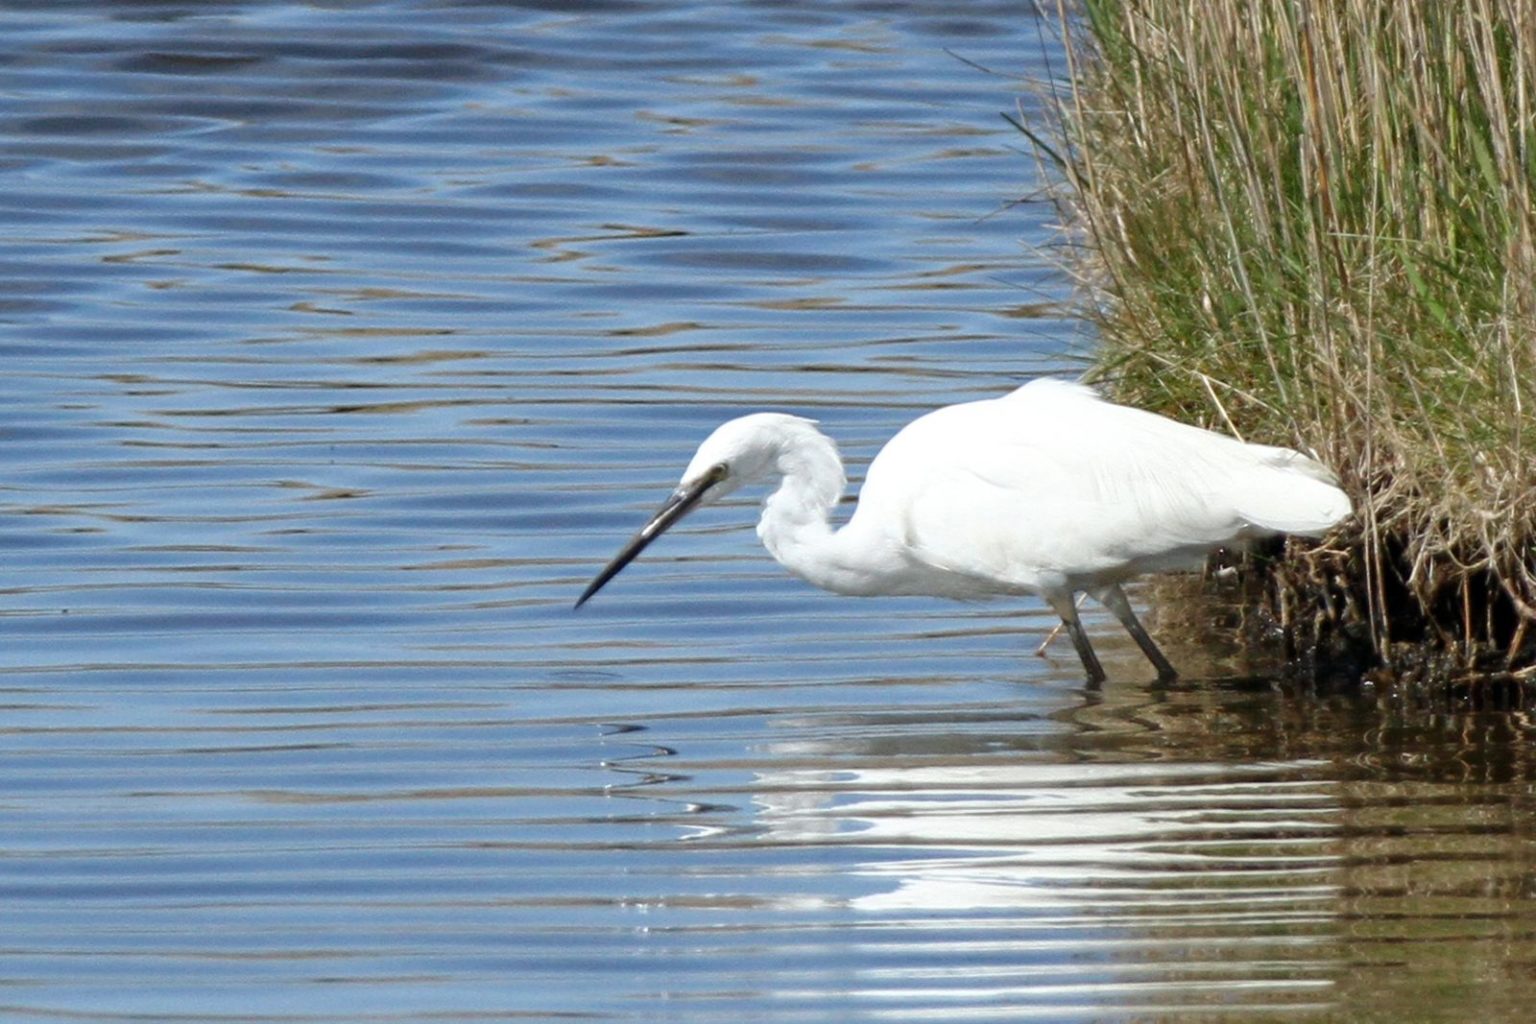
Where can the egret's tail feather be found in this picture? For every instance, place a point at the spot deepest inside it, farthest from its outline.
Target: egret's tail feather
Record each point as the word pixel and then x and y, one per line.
pixel 1291 493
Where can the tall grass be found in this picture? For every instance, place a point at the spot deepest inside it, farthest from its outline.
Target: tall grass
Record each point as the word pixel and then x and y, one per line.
pixel 1314 223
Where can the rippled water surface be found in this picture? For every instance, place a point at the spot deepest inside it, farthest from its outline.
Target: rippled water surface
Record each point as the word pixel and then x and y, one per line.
pixel 342 343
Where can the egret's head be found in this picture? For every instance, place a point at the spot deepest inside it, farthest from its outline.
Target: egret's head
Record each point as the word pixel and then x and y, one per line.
pixel 737 453
pixel 747 449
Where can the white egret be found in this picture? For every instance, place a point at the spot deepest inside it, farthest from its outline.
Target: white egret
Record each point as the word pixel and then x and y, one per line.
pixel 1049 490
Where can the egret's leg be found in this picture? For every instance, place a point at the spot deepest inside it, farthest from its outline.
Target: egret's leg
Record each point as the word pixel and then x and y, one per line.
pixel 1113 598
pixel 1067 609
pixel 1055 631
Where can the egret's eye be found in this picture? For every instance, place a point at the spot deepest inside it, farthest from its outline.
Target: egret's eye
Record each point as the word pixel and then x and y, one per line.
pixel 712 476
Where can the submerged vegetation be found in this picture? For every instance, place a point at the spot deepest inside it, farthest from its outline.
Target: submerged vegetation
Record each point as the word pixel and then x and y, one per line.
pixel 1314 225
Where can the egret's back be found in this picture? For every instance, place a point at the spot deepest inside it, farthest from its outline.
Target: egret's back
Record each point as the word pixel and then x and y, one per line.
pixel 1053 489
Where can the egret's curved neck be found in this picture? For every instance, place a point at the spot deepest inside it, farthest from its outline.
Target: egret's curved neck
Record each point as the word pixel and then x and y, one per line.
pixel 796 525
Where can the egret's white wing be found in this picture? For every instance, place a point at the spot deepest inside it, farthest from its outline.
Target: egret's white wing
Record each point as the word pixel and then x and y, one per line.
pixel 1051 484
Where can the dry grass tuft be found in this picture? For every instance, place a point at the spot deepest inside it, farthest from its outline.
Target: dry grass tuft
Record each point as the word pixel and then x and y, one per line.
pixel 1316 224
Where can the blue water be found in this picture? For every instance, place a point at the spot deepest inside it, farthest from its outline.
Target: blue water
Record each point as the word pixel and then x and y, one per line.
pixel 344 343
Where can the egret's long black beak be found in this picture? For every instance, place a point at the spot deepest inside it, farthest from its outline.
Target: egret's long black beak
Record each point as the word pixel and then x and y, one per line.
pixel 680 504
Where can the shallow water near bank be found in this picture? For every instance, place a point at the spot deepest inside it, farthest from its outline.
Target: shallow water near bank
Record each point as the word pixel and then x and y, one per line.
pixel 344 345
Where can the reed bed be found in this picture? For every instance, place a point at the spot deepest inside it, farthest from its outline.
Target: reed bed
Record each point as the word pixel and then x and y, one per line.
pixel 1312 224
